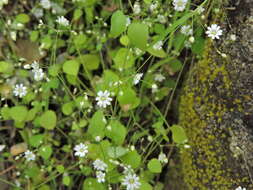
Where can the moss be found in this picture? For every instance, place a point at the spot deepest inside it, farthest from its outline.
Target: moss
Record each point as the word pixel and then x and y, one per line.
pixel 207 164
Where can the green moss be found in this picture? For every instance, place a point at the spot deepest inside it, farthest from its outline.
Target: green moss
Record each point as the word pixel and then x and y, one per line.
pixel 206 165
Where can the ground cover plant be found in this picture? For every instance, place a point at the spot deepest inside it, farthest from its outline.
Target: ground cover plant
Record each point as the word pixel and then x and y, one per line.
pixel 87 87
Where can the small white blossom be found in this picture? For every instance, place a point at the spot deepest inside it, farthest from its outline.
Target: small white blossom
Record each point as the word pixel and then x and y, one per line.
pixel 214 31
pixel 154 88
pixel 100 176
pixel 137 8
pixel 137 78
pixel 20 90
pixel 158 45
pixel 161 19
pixel 29 156
pixel 186 30
pixel 162 158
pixel 38 74
pixel 192 39
pixel 2 146
pixel 62 21
pixel 99 165
pixel 128 21
pixel 240 188
pixel 233 37
pixel 81 150
pixel 103 99
pixel 131 181
pixel 200 10
pixel 159 77
pixel 38 12
pixel 138 51
pixel 46 4
pixel 153 6
pixel 179 5
pixel 35 65
pixel 2 3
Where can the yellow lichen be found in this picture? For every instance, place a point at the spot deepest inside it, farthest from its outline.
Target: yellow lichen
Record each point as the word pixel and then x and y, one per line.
pixel 204 164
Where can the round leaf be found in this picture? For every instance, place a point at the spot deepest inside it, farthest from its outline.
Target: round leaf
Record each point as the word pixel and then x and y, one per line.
pixel 48 120
pixel 138 35
pixel 118 23
pixel 71 67
pixel 155 166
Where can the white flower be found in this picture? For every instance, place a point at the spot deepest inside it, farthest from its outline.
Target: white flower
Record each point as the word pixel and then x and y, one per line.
pixel 128 21
pixel 154 88
pixel 62 21
pixel 200 9
pixel 162 158
pixel 214 31
pixel 192 39
pixel 240 188
pixel 137 8
pixel 186 30
pixel 20 90
pixel 179 5
pixel 46 4
pixel 138 51
pixel 158 45
pixel 153 6
pixel 103 99
pixel 35 65
pixel 137 78
pixel 99 165
pixel 29 156
pixel 159 77
pixel 38 74
pixel 81 150
pixel 38 12
pixel 2 3
pixel 161 19
pixel 127 169
pixel 2 146
pixel 100 176
pixel 131 181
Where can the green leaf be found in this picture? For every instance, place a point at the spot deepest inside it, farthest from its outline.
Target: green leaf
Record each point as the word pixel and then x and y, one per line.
pixel 18 113
pixel 67 108
pixel 118 23
pixel 80 41
pixel 77 14
pixel 54 69
pixel 4 66
pixel 124 40
pixel 36 140
pixel 97 124
pixel 178 134
pixel 48 119
pixel 145 186
pixel 138 35
pixel 198 46
pixel 90 61
pixel 117 132
pixel 92 184
pixel 175 65
pixel 132 158
pixel 116 151
pixel 45 152
pixel 66 180
pixel 154 166
pixel 158 53
pixel 71 67
pixel 127 99
pixel 60 168
pixel 22 18
pixel 124 59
